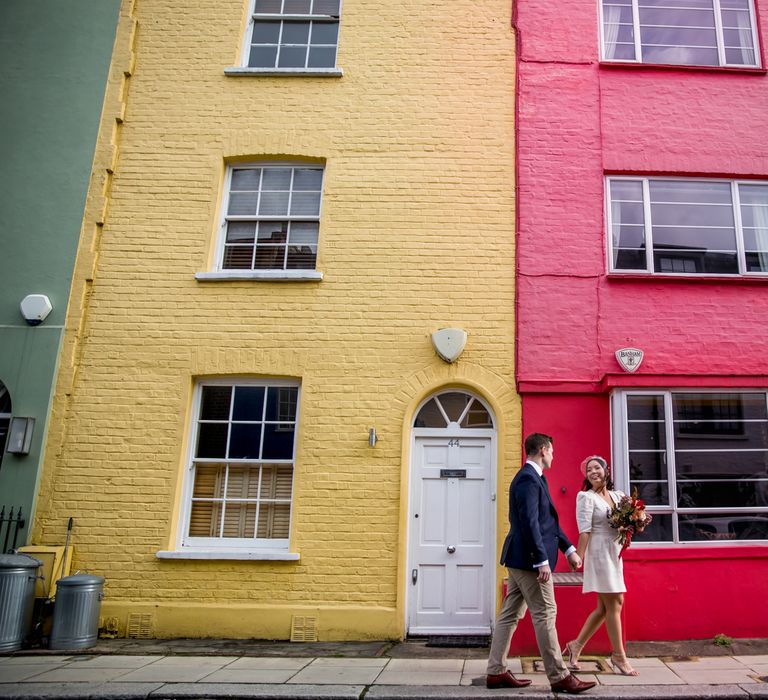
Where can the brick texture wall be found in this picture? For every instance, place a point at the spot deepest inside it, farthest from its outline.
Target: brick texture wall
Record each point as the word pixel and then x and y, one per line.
pixel 579 121
pixel 417 233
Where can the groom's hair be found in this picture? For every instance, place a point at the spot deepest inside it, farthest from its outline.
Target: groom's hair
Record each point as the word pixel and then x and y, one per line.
pixel 535 441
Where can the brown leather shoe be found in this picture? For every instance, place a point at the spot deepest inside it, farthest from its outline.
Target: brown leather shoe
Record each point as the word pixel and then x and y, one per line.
pixel 505 680
pixel 571 684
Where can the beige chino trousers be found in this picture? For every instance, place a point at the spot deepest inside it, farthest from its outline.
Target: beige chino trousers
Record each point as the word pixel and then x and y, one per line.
pixel 525 591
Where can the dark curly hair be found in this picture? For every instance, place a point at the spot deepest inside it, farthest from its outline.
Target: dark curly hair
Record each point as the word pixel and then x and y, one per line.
pixel 586 486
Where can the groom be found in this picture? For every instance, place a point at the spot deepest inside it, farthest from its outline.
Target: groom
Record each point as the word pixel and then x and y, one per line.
pixel 530 553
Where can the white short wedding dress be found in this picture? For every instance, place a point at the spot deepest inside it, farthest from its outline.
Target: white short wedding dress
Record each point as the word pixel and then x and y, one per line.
pixel 603 569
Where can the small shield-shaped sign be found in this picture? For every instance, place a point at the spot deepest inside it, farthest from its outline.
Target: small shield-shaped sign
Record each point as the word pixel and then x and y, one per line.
pixel 629 358
pixel 449 343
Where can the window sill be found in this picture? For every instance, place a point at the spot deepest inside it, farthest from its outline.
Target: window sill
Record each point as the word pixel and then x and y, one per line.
pixel 260 276
pixel 244 71
pixel 672 277
pixel 673 66
pixel 217 554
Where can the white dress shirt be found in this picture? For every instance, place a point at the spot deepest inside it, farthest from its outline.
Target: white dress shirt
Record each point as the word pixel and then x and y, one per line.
pixel 570 549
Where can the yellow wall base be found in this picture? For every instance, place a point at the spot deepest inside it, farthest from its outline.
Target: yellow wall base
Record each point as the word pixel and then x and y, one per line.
pixel 169 621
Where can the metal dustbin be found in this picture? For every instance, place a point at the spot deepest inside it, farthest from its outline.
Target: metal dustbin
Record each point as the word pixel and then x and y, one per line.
pixel 18 573
pixel 76 612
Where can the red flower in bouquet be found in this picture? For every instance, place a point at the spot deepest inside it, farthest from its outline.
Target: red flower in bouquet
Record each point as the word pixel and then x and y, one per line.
pixel 628 516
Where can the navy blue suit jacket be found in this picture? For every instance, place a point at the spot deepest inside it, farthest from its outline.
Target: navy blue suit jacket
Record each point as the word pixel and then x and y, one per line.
pixel 535 534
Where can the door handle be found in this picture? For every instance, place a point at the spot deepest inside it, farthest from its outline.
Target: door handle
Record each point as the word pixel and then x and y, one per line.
pixel 414 576
pixel 451 549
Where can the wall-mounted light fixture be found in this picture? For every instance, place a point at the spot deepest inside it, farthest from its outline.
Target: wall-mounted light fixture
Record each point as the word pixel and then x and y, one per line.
pixel 20 435
pixel 372 437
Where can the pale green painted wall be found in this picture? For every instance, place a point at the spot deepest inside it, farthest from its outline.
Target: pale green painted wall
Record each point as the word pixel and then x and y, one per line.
pixel 54 60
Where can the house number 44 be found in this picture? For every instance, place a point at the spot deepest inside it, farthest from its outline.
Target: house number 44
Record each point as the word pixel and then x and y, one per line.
pixel 453 443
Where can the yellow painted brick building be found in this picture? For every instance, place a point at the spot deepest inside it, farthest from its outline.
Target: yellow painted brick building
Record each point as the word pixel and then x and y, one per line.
pixel 200 356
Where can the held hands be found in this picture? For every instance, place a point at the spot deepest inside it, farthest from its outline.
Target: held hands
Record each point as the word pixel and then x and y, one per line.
pixel 574 560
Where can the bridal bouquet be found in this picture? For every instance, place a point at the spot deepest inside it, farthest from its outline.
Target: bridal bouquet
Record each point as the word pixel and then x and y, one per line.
pixel 628 516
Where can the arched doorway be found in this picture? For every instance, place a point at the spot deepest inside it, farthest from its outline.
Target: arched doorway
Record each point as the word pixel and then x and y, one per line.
pixel 451 516
pixel 5 418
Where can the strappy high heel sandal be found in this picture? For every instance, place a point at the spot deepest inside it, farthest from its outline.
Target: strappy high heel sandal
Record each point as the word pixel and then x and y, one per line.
pixel 573 651
pixel 621 665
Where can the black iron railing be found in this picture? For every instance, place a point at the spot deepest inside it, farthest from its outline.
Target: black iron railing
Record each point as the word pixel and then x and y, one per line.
pixel 10 524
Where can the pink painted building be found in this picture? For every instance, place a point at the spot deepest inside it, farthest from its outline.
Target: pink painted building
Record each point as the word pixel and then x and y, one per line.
pixel 643 223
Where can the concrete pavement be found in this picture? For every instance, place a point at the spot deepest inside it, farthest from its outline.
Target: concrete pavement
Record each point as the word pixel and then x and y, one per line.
pixel 125 669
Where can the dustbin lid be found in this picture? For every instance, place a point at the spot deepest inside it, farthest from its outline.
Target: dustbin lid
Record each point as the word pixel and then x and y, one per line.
pixel 80 580
pixel 19 561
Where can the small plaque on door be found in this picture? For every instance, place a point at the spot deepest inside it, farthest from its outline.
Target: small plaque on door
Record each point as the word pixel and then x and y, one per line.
pixel 453 473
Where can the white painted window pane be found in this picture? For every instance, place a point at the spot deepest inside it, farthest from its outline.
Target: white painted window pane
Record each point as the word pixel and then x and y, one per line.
pixel 269 257
pixel 246 179
pixel 679 55
pixel 273 204
pixel 245 441
pixel 325 7
pixel 248 404
pixel 262 56
pixel 212 440
pixel 628 230
pixel 307 179
pixel 292 57
pixel 296 33
pixel 325 33
pixel 269 6
pixel 243 203
pixel 241 232
pixel 304 233
pixel 273 232
pixel 754 218
pixel 297 7
pixel 238 257
pixel 690 191
pixel 321 57
pixel 265 32
pixel 429 416
pixel 305 204
pixel 277 179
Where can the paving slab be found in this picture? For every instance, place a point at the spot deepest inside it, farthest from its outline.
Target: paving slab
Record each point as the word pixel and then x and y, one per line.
pixel 391 692
pixel 268 663
pixel 274 692
pixel 252 675
pixel 68 674
pixel 759 659
pixel 717 676
pixel 26 660
pixel 77 691
pixel 648 676
pixel 112 661
pixel 167 674
pixel 427 665
pixel 758 691
pixel 211 662
pixel 672 692
pixel 335 676
pixel 19 672
pixel 706 662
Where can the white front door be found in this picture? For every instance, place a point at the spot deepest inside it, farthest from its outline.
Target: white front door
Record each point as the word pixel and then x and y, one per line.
pixel 450 576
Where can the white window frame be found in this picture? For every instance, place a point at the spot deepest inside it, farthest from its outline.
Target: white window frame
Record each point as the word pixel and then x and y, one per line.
pixel 620 450
pixel 268 274
pixel 253 16
pixel 209 546
pixel 718 29
pixel 648 227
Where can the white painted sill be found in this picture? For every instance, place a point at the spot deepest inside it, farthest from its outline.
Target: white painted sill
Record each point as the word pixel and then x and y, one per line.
pixel 242 72
pixel 214 554
pixel 261 275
